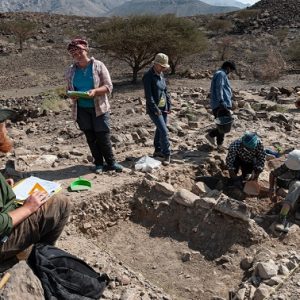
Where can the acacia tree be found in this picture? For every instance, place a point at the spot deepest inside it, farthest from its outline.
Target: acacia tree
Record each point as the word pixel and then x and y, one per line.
pixel 182 38
pixel 21 29
pixel 133 40
pixel 137 39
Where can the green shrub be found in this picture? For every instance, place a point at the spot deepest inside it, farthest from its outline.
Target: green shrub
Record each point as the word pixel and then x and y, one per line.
pixel 55 100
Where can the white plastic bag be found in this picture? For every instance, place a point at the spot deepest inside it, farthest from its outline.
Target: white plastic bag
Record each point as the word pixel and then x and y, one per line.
pixel 147 164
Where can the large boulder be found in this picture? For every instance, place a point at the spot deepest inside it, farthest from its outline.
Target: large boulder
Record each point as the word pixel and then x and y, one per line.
pixel 22 284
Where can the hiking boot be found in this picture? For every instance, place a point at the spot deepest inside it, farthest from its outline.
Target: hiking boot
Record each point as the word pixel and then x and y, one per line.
pixel 98 169
pixel 157 154
pixel 282 225
pixel 210 139
pixel 114 167
pixel 166 160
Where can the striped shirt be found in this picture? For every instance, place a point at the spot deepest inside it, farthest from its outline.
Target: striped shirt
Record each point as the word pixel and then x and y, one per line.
pixel 257 156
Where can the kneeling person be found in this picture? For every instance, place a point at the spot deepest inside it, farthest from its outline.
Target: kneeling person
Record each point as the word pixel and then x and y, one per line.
pixel 290 171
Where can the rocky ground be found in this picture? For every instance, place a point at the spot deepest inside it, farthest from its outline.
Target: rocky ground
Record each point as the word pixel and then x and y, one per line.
pixel 179 232
pixel 165 234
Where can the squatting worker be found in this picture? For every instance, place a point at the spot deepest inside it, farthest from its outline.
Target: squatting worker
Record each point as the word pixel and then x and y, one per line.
pixel 87 74
pixel 220 99
pixel 40 219
pixel 248 155
pixel 289 173
pixel 158 105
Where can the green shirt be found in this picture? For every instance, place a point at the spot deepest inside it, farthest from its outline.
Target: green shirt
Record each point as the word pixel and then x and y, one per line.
pixel 7 203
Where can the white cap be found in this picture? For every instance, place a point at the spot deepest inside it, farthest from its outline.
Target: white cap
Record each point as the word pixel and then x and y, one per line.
pixel 293 160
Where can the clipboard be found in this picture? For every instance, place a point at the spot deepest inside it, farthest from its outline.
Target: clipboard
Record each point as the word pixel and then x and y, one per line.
pixel 24 188
pixel 79 94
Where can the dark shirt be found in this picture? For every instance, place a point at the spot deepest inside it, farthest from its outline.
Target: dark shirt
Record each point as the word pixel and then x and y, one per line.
pixel 7 204
pixel 284 172
pixel 155 90
pixel 256 156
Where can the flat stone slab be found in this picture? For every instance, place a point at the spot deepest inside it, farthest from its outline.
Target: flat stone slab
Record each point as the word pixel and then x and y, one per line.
pixel 233 208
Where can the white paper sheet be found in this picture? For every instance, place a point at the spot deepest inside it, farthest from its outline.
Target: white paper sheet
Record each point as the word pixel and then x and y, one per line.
pixel 23 188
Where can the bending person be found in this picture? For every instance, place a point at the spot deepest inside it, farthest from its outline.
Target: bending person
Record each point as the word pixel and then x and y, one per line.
pixel 290 172
pixel 220 100
pixel 248 155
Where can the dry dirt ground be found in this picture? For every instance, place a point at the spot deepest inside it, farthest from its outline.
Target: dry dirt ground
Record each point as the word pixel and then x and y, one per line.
pixel 151 246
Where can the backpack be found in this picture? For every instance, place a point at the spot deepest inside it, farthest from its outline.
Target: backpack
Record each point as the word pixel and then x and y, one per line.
pixel 64 276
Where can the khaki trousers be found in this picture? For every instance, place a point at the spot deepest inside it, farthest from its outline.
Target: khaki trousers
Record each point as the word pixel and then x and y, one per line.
pixel 44 226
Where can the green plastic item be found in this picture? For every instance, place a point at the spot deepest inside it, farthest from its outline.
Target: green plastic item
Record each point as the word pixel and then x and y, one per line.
pixel 78 94
pixel 80 184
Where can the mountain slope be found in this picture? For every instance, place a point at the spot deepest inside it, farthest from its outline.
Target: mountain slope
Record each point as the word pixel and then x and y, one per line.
pixel 281 12
pixel 68 7
pixel 159 7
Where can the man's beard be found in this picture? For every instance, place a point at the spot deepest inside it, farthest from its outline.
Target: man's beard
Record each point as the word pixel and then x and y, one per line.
pixel 5 143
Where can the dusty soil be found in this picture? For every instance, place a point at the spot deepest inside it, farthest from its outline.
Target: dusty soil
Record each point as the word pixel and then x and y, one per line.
pixel 122 215
pixel 151 246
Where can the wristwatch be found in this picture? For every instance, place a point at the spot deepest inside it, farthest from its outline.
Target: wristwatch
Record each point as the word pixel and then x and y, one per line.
pixel 3 239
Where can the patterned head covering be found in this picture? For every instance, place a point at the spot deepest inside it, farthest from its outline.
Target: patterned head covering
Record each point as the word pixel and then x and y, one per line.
pixel 78 44
pixel 250 140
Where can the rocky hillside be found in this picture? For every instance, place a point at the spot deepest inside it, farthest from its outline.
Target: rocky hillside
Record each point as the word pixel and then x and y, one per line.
pixel 66 7
pixel 177 7
pixel 281 12
pixel 120 7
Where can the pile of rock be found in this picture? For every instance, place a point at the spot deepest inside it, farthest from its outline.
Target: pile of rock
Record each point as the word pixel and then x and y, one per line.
pixel 268 272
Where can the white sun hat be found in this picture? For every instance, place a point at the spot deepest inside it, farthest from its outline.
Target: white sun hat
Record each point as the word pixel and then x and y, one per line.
pixel 293 160
pixel 162 59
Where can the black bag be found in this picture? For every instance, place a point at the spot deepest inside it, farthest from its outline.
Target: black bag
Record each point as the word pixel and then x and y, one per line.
pixel 64 276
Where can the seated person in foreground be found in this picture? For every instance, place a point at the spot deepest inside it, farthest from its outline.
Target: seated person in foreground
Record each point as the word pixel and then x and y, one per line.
pixel 246 153
pixel 289 172
pixel 39 219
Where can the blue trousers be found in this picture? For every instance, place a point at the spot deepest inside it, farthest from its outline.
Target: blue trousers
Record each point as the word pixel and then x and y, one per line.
pixel 161 138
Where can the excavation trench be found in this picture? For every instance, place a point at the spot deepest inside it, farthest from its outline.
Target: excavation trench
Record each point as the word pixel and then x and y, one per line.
pixel 191 253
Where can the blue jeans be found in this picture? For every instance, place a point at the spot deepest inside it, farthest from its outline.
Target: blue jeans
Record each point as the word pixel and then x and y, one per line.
pixel 161 138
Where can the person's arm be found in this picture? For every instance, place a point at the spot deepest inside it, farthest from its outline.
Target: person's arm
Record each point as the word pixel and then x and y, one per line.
pixel 231 156
pixel 106 86
pixel 219 85
pixel 147 81
pixel 272 180
pixel 168 99
pixel 30 206
pixel 98 91
pixel 260 163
